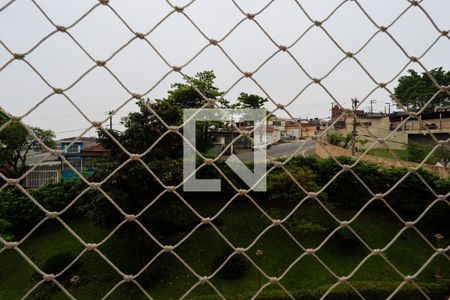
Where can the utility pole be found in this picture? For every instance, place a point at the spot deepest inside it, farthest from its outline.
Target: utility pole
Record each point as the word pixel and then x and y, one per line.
pixel 110 113
pixel 389 108
pixel 371 106
pixel 354 133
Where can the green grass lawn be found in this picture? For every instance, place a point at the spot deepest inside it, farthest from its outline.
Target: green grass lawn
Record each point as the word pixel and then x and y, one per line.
pixel 241 223
pixel 386 153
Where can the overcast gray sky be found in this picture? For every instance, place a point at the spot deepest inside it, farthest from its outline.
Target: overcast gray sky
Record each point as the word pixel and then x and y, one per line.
pixel 101 33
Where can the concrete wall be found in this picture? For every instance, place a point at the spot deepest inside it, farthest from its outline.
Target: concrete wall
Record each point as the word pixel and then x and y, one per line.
pixel 326 151
pixel 378 127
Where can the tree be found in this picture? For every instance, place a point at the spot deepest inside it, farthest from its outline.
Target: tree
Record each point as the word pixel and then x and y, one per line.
pixel 415 90
pixel 250 101
pixel 144 127
pixel 132 187
pixel 16 144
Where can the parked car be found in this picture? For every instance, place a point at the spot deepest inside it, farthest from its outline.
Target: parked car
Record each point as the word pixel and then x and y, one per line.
pixel 261 146
pixel 430 126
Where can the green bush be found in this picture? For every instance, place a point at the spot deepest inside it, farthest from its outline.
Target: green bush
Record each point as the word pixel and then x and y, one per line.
pixel 373 290
pixel 281 186
pixel 19 214
pixel 236 267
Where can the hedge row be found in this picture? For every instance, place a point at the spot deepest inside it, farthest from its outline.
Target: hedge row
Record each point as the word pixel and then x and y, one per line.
pixel 373 290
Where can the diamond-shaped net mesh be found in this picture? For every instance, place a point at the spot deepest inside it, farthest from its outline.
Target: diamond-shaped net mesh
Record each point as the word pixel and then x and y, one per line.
pixel 272 221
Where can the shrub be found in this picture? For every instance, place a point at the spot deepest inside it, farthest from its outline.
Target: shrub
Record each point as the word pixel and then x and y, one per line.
pixel 374 290
pixel 306 228
pixel 236 267
pixel 19 214
pixel 281 187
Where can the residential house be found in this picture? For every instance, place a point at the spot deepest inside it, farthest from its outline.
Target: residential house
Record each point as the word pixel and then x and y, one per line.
pixel 50 168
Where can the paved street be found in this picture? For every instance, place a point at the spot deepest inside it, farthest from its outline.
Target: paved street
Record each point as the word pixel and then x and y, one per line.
pixel 307 148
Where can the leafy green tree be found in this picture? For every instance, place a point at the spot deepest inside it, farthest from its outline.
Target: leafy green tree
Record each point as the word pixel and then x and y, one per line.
pixel 250 101
pixel 133 187
pixel 415 90
pixel 144 127
pixel 16 144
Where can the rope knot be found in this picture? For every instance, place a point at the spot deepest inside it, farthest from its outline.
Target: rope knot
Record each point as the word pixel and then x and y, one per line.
pixel 312 194
pixel 173 128
pixel 240 250
pixel 412 170
pixel 383 28
pixel 11 245
pixel 91 246
pixel 242 192
pixel 171 188
pixel 377 251
pixel 168 248
pixel 316 80
pixel 178 9
pixel 52 214
pixel 213 42
pixel 103 2
pixel 278 164
pixel 61 28
pixel 208 161
pixel 100 63
pixel 203 279
pixel 250 16
pixel 130 218
pixel 176 68
pixel 445 32
pixel 310 251
pixel 276 222
pixel 441 197
pixel 349 54
pixel 409 224
pixel 273 280
pixel 94 185
pixel 58 90
pixel 137 96
pixel 15 119
pixel 139 35
pixel 379 196
pixel 48 277
pixel 382 85
pixel 135 156
pixel 248 74
pixel 12 181
pixel 96 124
pixel 211 101
pixel 344 224
pixel 413 59
pixel 19 56
pixel 127 278
pixel 346 167
pixel 206 220
pixel 317 22
pixel 280 106
pixel 282 48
